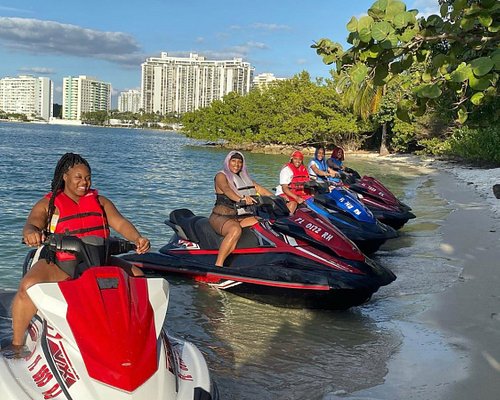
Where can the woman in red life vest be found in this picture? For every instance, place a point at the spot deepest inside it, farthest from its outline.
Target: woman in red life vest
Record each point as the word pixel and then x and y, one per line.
pixel 293 175
pixel 72 207
pixel 233 188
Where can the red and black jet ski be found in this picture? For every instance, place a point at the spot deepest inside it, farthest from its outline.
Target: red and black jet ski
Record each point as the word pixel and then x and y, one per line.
pixel 384 205
pixel 298 260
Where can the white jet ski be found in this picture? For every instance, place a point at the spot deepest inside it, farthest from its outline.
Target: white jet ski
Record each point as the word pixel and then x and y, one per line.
pixel 101 336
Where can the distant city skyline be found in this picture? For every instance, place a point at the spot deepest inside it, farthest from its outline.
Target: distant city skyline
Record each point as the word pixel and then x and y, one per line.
pixel 47 39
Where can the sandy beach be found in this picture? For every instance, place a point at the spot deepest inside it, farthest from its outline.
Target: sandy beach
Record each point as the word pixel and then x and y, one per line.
pixel 452 350
pixel 469 312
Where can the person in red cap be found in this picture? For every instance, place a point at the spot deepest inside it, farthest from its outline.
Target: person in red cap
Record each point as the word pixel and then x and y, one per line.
pixel 293 175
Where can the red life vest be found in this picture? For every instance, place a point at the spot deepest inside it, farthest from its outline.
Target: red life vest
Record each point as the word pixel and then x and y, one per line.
pixel 85 218
pixel 300 176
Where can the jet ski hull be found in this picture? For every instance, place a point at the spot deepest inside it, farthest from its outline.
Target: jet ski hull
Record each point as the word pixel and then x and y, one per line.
pixel 275 277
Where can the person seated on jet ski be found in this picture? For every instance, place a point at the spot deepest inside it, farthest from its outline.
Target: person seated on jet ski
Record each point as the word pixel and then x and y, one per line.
pixel 318 169
pixel 293 175
pixel 232 211
pixel 71 207
pixel 336 163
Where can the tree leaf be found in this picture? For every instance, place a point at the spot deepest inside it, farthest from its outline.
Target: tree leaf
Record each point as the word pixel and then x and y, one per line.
pixel 438 60
pixel 395 7
pixel 402 110
pixel 434 20
pixel 461 73
pixel 488 3
pixel 352 25
pixel 396 67
pixel 390 42
pixel 380 30
pixel 459 5
pixel 365 35
pixel 485 19
pixel 430 91
pixel 408 34
pixel 467 23
pixel 495 56
pixel 381 72
pixel 400 21
pixel 358 73
pixel 365 22
pixel 494 27
pixel 329 59
pixel 377 10
pixel 477 98
pixel 462 115
pixel 481 83
pixel 426 77
pixel 481 66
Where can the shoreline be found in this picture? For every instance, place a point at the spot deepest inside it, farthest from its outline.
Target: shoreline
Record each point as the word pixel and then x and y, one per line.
pixel 451 350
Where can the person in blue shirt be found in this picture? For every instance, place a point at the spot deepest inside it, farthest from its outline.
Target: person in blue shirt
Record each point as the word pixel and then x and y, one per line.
pixel 318 168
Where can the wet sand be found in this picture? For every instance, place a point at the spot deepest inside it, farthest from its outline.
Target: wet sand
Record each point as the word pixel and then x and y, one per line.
pixel 469 312
pixel 451 351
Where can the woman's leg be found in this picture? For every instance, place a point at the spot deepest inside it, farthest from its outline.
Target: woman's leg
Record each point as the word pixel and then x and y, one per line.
pixel 292 206
pixel 231 230
pixel 23 309
pixel 132 270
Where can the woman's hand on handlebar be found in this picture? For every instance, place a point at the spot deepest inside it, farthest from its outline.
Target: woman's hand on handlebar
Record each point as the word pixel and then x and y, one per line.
pixel 299 200
pixel 249 200
pixel 33 237
pixel 142 245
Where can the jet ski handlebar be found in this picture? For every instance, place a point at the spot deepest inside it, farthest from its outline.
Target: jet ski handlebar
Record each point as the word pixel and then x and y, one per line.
pixel 73 244
pixel 268 207
pixel 90 251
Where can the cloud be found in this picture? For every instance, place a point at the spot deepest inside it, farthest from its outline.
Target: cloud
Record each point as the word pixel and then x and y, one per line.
pixel 256 45
pixel 302 61
pixel 269 27
pixel 200 39
pixel 37 70
pixel 50 37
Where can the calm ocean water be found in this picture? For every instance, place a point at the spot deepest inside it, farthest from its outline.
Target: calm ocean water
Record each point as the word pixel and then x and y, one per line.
pixel 254 351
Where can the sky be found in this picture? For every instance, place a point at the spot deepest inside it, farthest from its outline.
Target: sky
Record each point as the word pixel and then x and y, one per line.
pixel 109 39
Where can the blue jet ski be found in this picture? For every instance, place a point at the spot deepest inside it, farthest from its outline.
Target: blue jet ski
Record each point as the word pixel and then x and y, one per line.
pixel 344 210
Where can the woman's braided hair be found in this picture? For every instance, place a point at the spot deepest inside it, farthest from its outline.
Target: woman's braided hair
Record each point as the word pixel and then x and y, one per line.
pixel 67 161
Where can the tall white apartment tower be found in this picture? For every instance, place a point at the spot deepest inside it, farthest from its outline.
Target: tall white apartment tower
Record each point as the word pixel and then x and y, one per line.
pixel 181 84
pixel 129 101
pixel 27 95
pixel 84 94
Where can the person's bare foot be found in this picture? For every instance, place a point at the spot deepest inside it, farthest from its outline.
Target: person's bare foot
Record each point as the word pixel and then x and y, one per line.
pixel 14 351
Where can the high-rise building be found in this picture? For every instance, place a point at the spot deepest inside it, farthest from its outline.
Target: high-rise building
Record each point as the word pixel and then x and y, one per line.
pixel 84 94
pixel 181 84
pixel 27 95
pixel 129 101
pixel 263 81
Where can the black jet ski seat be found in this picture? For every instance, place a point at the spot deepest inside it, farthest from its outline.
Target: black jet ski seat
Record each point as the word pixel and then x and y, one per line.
pixel 197 229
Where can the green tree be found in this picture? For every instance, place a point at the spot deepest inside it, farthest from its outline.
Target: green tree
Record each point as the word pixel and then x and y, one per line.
pixel 459 49
pixel 296 111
